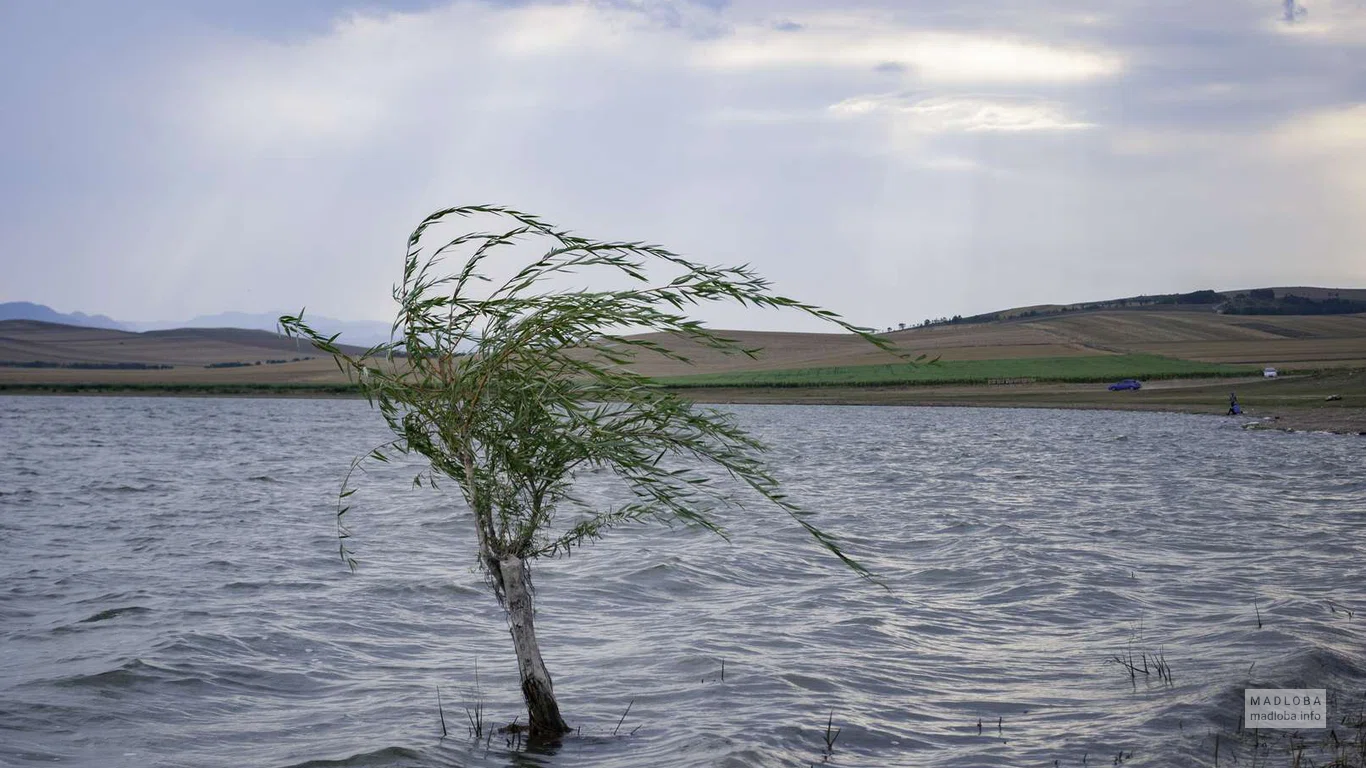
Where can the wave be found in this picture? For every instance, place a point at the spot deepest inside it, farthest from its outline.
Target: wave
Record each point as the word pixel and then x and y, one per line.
pixel 389 757
pixel 130 674
pixel 125 488
pixel 114 613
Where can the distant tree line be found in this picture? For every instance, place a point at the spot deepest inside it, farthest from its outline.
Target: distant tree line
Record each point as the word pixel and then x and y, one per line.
pixel 239 364
pixel 85 366
pixel 1260 303
pixel 941 321
pixel 1194 297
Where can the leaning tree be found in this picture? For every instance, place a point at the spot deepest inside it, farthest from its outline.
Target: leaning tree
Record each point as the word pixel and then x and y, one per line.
pixel 509 388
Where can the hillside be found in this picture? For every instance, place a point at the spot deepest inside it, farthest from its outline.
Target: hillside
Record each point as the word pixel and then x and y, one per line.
pixel 32 352
pixel 30 340
pixel 1171 331
pixel 1317 341
pixel 1282 300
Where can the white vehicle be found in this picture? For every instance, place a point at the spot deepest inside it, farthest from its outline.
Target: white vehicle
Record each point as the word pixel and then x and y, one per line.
pixel 1269 373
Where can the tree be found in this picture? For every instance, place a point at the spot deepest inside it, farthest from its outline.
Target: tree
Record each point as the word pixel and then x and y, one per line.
pixel 508 394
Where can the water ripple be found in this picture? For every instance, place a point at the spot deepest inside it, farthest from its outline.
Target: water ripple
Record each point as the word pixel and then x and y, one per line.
pixel 179 601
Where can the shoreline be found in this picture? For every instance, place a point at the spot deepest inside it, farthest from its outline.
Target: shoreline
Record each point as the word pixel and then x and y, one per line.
pixel 1345 421
pixel 1291 404
pixel 1285 405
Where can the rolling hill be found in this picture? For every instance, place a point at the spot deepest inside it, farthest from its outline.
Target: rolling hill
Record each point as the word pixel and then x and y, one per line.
pixel 1194 333
pixel 1285 341
pixel 34 341
pixel 37 352
pixel 1283 300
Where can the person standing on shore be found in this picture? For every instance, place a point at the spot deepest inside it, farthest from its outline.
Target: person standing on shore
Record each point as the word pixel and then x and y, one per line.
pixel 1233 408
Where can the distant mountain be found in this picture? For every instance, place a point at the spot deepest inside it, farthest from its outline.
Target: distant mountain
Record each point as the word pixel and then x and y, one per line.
pixel 363 333
pixel 25 310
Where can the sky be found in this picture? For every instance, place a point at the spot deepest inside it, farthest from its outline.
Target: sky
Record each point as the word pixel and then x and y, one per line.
pixel 892 161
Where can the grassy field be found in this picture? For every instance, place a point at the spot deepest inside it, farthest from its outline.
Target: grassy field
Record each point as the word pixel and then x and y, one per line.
pixel 1091 368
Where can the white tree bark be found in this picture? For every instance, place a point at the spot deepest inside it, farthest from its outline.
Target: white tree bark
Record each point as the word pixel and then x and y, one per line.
pixel 543 713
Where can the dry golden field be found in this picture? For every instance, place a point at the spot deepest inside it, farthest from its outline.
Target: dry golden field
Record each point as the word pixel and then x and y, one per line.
pixel 1290 340
pixel 1282 341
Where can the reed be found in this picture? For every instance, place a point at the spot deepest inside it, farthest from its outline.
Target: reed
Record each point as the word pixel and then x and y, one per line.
pixel 1148 664
pixel 831 736
pixel 441 712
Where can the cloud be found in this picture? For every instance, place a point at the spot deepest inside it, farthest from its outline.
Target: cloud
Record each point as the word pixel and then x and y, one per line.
pixel 890 161
pixel 1335 133
pixel 375 73
pixel 933 57
pixel 943 114
pixel 1331 145
pixel 1339 21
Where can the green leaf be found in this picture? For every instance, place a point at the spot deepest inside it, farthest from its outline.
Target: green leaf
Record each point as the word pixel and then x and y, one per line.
pixel 502 389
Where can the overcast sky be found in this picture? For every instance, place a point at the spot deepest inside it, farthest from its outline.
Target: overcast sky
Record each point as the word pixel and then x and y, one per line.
pixel 890 160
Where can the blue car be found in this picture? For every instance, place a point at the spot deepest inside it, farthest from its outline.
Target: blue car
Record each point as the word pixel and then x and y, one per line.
pixel 1126 384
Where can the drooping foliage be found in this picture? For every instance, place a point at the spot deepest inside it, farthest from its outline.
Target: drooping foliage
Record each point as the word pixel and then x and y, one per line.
pixel 508 388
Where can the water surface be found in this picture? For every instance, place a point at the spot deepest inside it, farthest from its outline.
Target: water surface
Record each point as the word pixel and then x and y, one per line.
pixel 171 594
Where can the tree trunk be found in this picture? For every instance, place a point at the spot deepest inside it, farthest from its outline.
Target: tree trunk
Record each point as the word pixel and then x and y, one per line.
pixel 543 714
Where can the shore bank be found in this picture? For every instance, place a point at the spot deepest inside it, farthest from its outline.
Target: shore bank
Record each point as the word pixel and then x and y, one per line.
pixel 1343 421
pixel 1328 402
pixel 1299 403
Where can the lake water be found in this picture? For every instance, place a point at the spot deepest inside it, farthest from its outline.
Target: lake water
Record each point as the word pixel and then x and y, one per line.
pixel 171 595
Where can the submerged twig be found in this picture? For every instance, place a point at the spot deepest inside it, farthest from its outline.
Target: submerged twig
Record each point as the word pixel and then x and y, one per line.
pixel 623 717
pixel 440 712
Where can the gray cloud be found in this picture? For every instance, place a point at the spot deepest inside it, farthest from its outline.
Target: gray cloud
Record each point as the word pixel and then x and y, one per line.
pixel 189 159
